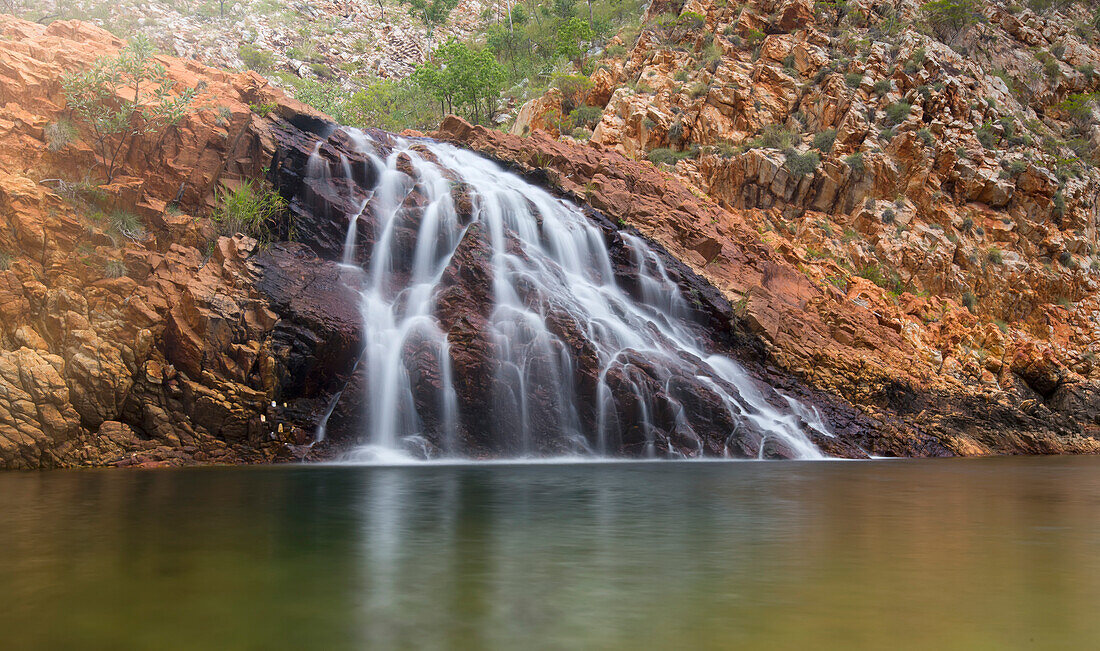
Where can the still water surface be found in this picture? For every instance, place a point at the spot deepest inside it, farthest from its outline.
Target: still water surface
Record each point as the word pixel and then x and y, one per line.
pixel 965 554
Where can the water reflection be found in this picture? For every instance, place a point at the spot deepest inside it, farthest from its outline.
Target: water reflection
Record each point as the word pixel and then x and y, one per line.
pixel 947 554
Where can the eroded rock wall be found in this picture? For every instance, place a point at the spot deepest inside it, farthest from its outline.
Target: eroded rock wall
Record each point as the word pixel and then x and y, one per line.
pixel 161 342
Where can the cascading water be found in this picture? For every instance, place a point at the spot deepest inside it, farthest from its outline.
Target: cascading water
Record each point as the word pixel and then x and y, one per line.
pixel 569 349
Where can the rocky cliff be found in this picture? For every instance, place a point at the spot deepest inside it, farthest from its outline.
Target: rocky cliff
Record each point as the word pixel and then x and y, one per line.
pixel 931 194
pixel 129 331
pixel 132 333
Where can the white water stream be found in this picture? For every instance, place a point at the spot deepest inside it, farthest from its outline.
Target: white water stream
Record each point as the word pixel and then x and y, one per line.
pixel 544 248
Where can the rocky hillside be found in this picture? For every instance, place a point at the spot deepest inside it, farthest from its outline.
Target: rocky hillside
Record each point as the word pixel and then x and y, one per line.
pixel 939 179
pixel 313 40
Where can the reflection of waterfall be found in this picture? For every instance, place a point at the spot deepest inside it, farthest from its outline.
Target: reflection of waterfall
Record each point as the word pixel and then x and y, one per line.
pixel 577 359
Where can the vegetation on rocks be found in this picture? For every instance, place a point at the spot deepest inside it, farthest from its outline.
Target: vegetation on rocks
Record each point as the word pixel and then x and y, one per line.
pixel 250 208
pixel 124 97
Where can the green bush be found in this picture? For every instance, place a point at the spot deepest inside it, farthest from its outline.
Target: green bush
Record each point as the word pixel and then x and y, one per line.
pixel 800 165
pixel 950 18
pixel 897 112
pixel 776 136
pixel 662 155
pixel 882 87
pixel 574 89
pixel 1059 207
pixel 915 61
pixel 853 79
pixel 587 116
pixel 926 137
pixel 255 58
pixel 855 162
pixel 249 209
pixel 986 135
pixel 969 300
pixel 262 109
pixel 390 104
pixel 994 255
pixel 824 140
pixel 5 260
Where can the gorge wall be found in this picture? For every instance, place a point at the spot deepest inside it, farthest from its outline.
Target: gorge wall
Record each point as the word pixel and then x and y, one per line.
pixel 172 344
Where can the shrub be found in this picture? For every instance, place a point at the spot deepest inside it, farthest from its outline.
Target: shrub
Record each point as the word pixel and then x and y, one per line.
pixel 264 109
pixel 855 161
pixel 586 116
pixel 255 58
pixel 966 225
pixel 889 216
pixel 897 112
pixel 574 88
pixel 1065 258
pixel 662 155
pixel 915 61
pixel 994 255
pixel 853 79
pixel 788 65
pixel 969 300
pixel 114 269
pixel 882 87
pixel 698 89
pixel 250 210
pixel 580 133
pixel 676 132
pixel 926 137
pixel 1079 107
pixel 986 135
pixel 777 136
pixel 1059 208
pixel 122 98
pixel 800 165
pixel 1015 168
pixel 950 18
pixel 824 140
pixel 59 134
pixel 5 260
pixel 754 37
pixel 127 224
pixel 390 104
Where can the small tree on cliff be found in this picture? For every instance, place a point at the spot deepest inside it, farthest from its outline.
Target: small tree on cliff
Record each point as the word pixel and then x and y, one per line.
pixel 950 18
pixel 121 98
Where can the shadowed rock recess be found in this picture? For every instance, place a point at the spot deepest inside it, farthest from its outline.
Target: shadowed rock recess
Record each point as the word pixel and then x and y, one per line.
pixel 173 344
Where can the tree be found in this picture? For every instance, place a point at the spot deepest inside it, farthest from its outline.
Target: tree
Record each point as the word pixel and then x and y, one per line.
pixel 573 38
pixel 1079 108
pixel 124 97
pixel 463 78
pixel 432 13
pixel 950 18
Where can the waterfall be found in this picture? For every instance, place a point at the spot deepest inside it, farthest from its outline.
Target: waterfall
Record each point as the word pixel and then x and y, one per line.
pixel 461 265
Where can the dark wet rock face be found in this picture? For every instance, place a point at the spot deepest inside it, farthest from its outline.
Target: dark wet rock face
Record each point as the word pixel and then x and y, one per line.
pixel 540 383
